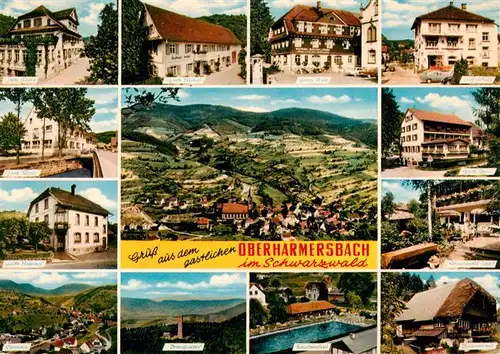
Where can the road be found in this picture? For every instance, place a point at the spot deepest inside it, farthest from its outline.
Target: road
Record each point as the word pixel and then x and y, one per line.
pixel 408 172
pixel 106 341
pixel 227 76
pixel 71 75
pixel 400 77
pixel 109 163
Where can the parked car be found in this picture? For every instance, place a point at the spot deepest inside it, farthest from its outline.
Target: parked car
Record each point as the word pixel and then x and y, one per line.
pixel 369 73
pixel 353 71
pixel 431 76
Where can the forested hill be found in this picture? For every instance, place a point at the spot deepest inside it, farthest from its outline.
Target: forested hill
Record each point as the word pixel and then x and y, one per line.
pixel 235 23
pixel 5 23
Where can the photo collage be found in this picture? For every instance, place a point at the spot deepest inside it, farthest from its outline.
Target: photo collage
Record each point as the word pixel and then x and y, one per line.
pixel 250 176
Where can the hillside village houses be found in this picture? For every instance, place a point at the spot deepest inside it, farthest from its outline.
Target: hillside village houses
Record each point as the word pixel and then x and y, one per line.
pixel 185 46
pixel 317 38
pixel 448 34
pixel 77 141
pixel 80 225
pixel 442 136
pixel 60 28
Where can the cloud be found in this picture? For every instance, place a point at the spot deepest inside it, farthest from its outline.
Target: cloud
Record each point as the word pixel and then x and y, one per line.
pixel 198 8
pixel 106 110
pixel 449 104
pixel 406 100
pixel 236 11
pixel 103 125
pixel 92 275
pixel 18 195
pixel 96 195
pixel 93 15
pixel 227 279
pixel 328 99
pixel 255 109
pixel 134 284
pixel 487 281
pixel 252 97
pixel 183 94
pixel 358 100
pixel 324 3
pixel 221 280
pixel 102 97
pixel 286 101
pixel 38 278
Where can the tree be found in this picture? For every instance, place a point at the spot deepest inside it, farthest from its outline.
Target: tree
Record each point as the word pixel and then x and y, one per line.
pixel 387 205
pixel 488 114
pixel 277 308
pixel 431 282
pixel 38 231
pixel 258 314
pixel 391 119
pixel 353 301
pixel 425 186
pixel 275 283
pixel 102 49
pixel 361 284
pixel 459 70
pixel 391 307
pixel 31 56
pixel 142 99
pixel 12 132
pixel 260 22
pixel 135 56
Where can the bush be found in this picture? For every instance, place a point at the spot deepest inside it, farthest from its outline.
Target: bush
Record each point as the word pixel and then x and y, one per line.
pixel 207 69
pixel 154 80
pixel 459 71
pixel 24 256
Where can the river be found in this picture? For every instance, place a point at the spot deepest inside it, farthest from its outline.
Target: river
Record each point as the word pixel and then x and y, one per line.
pixel 80 173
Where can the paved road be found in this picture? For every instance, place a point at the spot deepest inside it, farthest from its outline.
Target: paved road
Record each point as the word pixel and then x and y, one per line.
pixel 400 77
pixel 106 341
pixel 109 163
pixel 408 172
pixel 283 78
pixel 228 76
pixel 71 75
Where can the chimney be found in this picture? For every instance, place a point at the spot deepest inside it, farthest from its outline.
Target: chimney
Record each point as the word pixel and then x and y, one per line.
pixel 451 3
pixel 73 188
pixel 464 6
pixel 318 5
pixel 179 326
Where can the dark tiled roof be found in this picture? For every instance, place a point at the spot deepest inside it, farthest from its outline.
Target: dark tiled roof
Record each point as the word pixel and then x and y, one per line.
pixel 179 28
pixel 452 13
pixel 72 202
pixel 66 13
pixel 43 11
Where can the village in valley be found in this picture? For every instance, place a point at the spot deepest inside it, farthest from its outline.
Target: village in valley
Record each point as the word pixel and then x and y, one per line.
pixel 334 308
pixel 230 173
pixel 73 317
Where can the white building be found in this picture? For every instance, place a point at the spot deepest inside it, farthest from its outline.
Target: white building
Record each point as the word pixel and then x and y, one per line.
pixel 80 225
pixel 77 140
pixel 184 46
pixel 256 292
pixel 316 290
pixel 442 136
pixel 370 48
pixel 446 35
pixel 60 28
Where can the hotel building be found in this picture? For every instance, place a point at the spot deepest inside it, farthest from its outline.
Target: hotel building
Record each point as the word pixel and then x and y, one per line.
pixel 184 46
pixel 446 35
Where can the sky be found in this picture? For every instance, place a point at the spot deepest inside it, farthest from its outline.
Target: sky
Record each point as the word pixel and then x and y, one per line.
pixel 197 8
pixel 87 10
pixel 360 103
pixel 398 15
pixel 489 281
pixel 106 106
pixel 402 194
pixel 445 100
pixel 280 7
pixel 52 280
pixel 17 195
pixel 183 286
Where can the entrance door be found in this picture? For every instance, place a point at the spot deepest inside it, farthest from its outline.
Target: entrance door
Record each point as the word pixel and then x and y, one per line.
pixel 234 57
pixel 435 60
pixel 60 243
pixel 104 243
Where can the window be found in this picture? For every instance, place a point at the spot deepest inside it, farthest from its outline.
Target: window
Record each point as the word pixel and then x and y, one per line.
pixel 309 27
pixel 306 60
pixel 339 30
pixel 154 48
pixel 27 23
pixel 372 34
pixel 37 22
pixel 414 126
pixel 453 27
pixel 78 237
pixel 486 37
pixel 96 221
pixel 16 56
pixel 297 42
pixel 471 28
pixel 188 48
pixel 36 219
pixel 330 44
pixel 36 208
pixel 300 26
pixel 19 25
pixel 472 44
pixel 414 137
pixel 352 30
pixel 96 238
pixel 349 59
pixel 49 22
pixel 46 219
pixel 297 60
pixel 173 49
pixel 87 237
pixel 485 52
pixel 337 60
pixel 77 219
pixel 87 220
pixel 323 29
pixel 403 139
pixel 46 204
pixel 316 59
pixel 189 67
pixel 372 57
pixel 452 60
pixel 435 27
pixel 403 130
pixel 173 70
pixel 315 43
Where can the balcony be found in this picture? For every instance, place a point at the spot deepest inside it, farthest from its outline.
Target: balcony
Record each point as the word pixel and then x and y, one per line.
pixel 61 227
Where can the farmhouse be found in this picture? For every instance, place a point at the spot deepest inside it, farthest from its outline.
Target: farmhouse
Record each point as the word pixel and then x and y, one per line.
pixel 448 34
pixel 256 292
pixel 456 311
pixel 442 136
pixel 80 225
pixel 363 341
pixel 76 141
pixel 184 46
pixel 59 44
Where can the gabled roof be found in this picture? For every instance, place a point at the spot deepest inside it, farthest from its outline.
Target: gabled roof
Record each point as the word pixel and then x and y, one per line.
pixel 66 13
pixel 179 28
pixel 447 301
pixel 438 117
pixel 452 13
pixel 305 307
pixel 70 201
pixel 358 342
pixel 234 208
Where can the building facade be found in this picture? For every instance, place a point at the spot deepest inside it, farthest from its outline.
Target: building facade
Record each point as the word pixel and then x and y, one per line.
pixel 431 135
pixel 316 39
pixel 80 225
pixel 76 141
pixel 59 29
pixel 370 45
pixel 446 35
pixel 256 292
pixel 184 46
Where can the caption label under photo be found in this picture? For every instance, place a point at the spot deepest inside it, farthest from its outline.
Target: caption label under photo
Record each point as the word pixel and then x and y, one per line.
pixel 311 347
pixel 16 347
pixel 183 347
pixel 478 346
pixel 11 80
pixel 21 173
pixel 477 172
pixel 304 80
pixel 183 81
pixel 24 263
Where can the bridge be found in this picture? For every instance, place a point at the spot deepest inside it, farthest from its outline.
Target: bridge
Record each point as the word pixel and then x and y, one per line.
pixel 105 164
